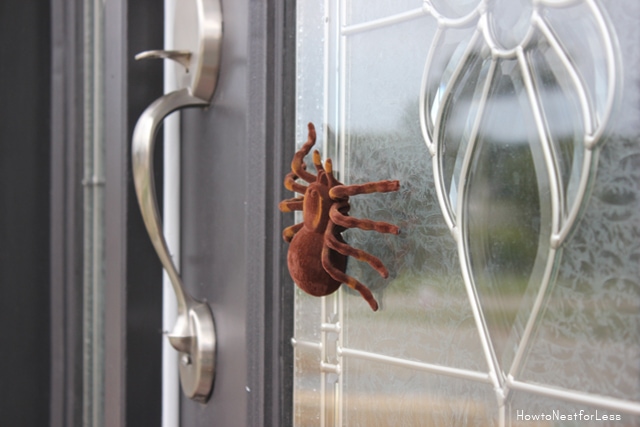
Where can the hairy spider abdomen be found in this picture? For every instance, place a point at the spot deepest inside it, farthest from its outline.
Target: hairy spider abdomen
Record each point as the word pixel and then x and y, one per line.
pixel 309 274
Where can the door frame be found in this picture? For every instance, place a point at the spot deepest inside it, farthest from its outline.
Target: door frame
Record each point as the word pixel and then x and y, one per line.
pixel 272 48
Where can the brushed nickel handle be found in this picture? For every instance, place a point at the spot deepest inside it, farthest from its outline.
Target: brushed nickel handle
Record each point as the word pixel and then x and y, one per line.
pixel 198 35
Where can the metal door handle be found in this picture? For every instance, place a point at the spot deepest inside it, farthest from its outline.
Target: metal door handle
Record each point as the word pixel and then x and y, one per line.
pixel 198 35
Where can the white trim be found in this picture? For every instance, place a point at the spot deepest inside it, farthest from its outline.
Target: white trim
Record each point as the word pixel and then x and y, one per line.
pixel 376 24
pixel 420 366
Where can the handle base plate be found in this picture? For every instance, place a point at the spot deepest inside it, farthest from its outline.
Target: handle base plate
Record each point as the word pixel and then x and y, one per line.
pixel 197 368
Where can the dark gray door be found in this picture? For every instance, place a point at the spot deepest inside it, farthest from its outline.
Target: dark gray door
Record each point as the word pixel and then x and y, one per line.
pixel 231 182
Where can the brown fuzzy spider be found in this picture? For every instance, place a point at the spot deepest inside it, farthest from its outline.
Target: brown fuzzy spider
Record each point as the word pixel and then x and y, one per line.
pixel 318 254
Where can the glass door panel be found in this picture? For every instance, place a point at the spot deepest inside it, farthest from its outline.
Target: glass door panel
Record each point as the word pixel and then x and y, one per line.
pixel 513 286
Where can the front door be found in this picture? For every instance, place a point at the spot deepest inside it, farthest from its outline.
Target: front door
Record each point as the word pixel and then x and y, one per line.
pixel 512 296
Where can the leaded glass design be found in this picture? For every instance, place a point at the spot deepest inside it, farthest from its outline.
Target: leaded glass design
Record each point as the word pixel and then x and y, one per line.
pixel 515 285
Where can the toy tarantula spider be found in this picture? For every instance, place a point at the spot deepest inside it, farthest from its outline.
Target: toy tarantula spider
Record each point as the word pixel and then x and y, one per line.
pixel 317 257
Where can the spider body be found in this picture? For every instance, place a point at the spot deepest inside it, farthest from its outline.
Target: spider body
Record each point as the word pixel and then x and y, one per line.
pixel 306 248
pixel 317 257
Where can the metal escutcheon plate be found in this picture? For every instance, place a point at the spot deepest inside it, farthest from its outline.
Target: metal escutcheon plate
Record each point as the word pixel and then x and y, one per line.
pixel 197 370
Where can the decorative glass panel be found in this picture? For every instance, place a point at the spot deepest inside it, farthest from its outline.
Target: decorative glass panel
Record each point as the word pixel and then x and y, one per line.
pixel 514 286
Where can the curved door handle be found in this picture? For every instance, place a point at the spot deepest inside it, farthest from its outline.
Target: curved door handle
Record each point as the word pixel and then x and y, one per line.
pixel 198 35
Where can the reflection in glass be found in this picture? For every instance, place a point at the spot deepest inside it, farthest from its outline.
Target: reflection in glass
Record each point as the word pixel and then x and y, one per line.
pixel 562 116
pixel 502 230
pixel 458 120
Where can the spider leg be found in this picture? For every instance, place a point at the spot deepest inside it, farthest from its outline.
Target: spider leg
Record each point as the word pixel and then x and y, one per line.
pixel 289 232
pixel 364 224
pixel 297 164
pixel 344 191
pixel 347 280
pixel 291 184
pixel 317 160
pixel 332 241
pixel 328 167
pixel 291 205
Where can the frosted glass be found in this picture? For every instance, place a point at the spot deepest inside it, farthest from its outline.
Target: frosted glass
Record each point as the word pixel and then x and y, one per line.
pixel 376 395
pixel 359 11
pixel 307 387
pixel 592 319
